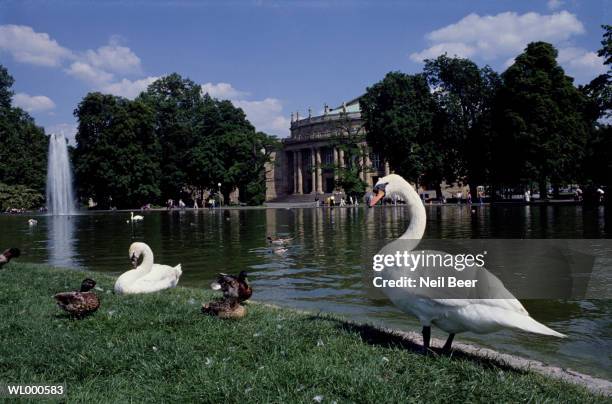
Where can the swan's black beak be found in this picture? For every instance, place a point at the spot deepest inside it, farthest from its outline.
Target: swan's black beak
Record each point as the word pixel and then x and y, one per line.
pixel 134 260
pixel 379 193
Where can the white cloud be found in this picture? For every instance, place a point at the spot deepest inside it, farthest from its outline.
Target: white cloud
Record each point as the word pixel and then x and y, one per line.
pixel 581 63
pixel 28 46
pixel 454 49
pixel 266 115
pixel 69 131
pixel 115 58
pixel 499 36
pixel 554 4
pixel 88 73
pixel 224 91
pixel 33 103
pixel 128 88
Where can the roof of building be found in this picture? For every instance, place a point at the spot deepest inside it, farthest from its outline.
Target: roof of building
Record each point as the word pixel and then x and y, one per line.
pixel 351 106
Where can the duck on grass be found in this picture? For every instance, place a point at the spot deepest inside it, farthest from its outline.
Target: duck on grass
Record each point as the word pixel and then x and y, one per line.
pixel 158 347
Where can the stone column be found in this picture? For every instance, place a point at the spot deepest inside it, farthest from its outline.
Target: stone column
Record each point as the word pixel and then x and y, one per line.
pixel 313 170
pixel 364 164
pixel 335 153
pixel 387 169
pixel 341 157
pixel 367 165
pixel 294 172
pixel 361 161
pixel 300 189
pixel 319 176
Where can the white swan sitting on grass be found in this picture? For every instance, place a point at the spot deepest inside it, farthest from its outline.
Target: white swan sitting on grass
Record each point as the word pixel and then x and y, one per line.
pixel 451 315
pixel 146 277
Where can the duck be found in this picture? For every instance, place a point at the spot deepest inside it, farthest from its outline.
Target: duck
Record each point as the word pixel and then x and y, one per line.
pixel 236 287
pixel 454 316
pixel 80 303
pixel 32 222
pixel 146 277
pixel 8 255
pixel 273 240
pixel 227 308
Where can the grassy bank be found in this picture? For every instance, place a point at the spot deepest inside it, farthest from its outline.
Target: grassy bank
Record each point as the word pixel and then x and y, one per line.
pixel 159 347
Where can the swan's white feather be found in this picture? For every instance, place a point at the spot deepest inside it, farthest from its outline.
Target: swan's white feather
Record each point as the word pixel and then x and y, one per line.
pixel 148 277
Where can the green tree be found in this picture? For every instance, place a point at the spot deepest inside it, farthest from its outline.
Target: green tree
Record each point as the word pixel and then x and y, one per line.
pixel 19 196
pixel 597 162
pixel 350 139
pixel 178 122
pixel 117 151
pixel 540 126
pixel 23 145
pixel 465 95
pixel 227 149
pixel 599 90
pixel 398 114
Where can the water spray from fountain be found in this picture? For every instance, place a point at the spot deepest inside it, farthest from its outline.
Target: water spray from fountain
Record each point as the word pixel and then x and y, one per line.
pixel 60 194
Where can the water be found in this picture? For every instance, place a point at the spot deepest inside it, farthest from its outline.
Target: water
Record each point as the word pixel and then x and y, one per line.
pixel 322 270
pixel 60 195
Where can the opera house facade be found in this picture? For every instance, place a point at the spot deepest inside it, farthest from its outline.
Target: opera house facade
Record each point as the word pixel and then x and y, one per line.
pixel 304 168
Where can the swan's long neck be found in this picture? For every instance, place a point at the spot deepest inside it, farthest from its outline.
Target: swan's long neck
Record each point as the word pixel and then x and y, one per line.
pixel 418 218
pixel 147 260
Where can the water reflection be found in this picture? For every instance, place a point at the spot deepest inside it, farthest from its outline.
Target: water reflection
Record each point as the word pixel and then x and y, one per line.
pixel 61 241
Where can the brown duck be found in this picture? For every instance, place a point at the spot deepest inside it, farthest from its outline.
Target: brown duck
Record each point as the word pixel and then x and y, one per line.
pixel 233 286
pixel 224 308
pixel 9 254
pixel 81 303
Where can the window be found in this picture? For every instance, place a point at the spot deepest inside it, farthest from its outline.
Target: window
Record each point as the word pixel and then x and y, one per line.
pixel 328 156
pixel 375 158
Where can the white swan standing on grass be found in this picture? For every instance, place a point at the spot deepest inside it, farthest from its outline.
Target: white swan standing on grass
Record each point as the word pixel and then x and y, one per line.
pixel 451 315
pixel 146 277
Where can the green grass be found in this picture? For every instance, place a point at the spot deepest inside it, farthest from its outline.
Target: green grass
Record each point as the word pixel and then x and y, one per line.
pixel 159 347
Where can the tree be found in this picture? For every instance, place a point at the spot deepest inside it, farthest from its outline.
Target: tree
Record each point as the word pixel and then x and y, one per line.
pixel 465 95
pixel 540 127
pixel 117 151
pixel 177 104
pixel 398 114
pixel 23 145
pixel 597 162
pixel 350 139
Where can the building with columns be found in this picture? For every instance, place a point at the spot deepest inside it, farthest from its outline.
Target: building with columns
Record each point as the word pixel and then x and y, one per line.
pixel 303 168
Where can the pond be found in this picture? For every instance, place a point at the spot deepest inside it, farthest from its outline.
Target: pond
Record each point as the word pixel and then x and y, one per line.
pixel 322 270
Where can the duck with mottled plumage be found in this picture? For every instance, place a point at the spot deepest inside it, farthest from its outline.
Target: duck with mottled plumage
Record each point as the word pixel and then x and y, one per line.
pixel 80 303
pixel 8 255
pixel 233 286
pixel 236 289
pixel 224 308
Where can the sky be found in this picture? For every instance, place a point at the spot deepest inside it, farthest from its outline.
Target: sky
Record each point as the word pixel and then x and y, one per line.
pixel 271 58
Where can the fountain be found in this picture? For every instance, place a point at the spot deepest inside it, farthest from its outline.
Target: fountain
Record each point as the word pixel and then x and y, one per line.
pixel 60 195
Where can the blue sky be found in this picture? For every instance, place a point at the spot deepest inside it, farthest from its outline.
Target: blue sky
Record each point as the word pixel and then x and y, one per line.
pixel 271 58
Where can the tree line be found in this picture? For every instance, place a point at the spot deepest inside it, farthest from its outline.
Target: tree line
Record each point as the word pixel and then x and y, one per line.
pixel 527 127
pixel 172 141
pixel 23 153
